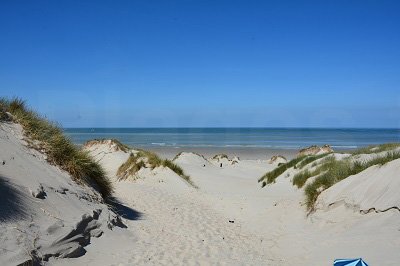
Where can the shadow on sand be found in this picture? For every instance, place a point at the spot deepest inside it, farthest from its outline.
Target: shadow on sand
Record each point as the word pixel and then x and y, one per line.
pixel 12 205
pixel 123 210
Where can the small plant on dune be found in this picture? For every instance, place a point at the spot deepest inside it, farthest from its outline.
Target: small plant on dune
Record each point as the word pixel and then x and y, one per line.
pixel 131 166
pixel 120 145
pixel 59 149
pixel 376 148
pixel 220 156
pixel 339 170
pixel 271 176
pixel 177 169
pixel 143 159
pixel 198 154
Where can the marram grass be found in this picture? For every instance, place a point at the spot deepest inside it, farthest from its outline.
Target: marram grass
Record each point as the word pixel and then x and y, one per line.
pixel 143 159
pixel 339 170
pixel 270 177
pixel 59 149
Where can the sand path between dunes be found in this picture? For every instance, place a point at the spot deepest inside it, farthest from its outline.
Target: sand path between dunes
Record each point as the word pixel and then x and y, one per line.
pixel 180 225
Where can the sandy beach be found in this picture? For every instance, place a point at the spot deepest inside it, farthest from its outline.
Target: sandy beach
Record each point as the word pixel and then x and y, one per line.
pixel 213 212
pixel 196 133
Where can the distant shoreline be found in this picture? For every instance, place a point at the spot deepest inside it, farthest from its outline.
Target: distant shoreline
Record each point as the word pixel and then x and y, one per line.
pixel 250 143
pixel 246 153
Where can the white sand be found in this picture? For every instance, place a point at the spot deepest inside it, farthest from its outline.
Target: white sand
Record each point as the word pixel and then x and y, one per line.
pixel 176 224
pixel 60 221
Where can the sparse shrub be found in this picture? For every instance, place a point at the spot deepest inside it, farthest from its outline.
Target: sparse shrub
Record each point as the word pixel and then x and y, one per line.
pixel 59 149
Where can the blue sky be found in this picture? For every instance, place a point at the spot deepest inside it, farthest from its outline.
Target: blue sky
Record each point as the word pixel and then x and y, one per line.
pixel 204 63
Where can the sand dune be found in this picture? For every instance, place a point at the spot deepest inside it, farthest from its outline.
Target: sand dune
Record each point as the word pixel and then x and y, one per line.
pixel 227 219
pixel 44 213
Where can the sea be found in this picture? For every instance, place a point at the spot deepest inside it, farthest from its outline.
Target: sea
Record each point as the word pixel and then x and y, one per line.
pixel 274 138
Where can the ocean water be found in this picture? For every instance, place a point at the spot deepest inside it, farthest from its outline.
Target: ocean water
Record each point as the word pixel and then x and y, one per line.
pixel 274 138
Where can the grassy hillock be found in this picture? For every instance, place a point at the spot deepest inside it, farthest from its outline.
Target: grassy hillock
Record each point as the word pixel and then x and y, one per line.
pixel 376 148
pixel 47 136
pixel 147 159
pixel 337 170
pixel 328 171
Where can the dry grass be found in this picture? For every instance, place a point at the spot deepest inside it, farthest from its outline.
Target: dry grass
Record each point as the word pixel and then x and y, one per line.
pixel 58 148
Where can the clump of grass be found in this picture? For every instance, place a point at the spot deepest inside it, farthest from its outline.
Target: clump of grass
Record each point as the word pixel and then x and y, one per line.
pixel 120 145
pixel 339 170
pixel 220 156
pixel 177 169
pixel 60 151
pixel 270 177
pixel 143 159
pixel 310 159
pixel 131 166
pixel 3 110
pixel 376 148
pixel 300 178
pixel 198 154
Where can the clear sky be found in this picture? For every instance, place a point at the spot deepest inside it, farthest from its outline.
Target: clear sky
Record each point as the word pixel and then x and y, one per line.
pixel 204 63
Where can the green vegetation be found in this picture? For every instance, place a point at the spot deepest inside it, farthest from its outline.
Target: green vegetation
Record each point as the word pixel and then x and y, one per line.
pixel 48 137
pixel 310 159
pixel 120 145
pixel 270 177
pixel 198 154
pixel 143 159
pixel 300 178
pixel 339 170
pixel 376 148
pixel 220 156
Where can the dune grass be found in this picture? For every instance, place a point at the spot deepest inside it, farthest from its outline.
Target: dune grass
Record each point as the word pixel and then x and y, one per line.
pixel 220 156
pixel 60 151
pixel 339 170
pixel 376 148
pixel 198 154
pixel 143 159
pixel 120 145
pixel 301 177
pixel 310 159
pixel 270 177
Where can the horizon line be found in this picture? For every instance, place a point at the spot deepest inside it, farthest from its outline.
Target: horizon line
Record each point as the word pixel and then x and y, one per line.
pixel 246 127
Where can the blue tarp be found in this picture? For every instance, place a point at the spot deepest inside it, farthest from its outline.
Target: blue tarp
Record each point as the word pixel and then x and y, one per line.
pixel 349 262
